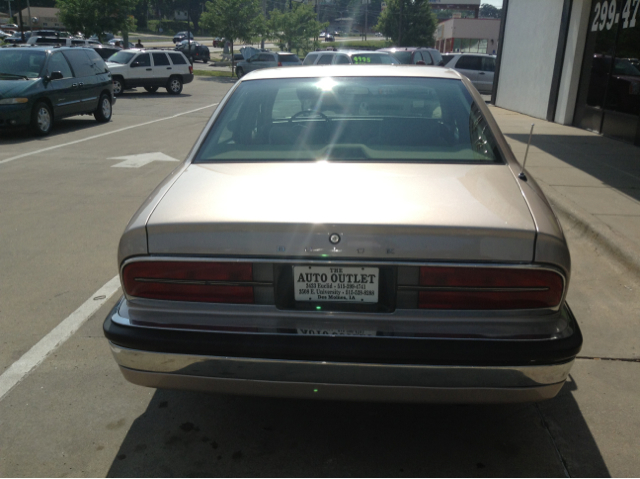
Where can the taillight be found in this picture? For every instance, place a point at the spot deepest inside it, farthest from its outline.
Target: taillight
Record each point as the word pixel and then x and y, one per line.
pixel 191 69
pixel 488 288
pixel 189 281
pixel 279 64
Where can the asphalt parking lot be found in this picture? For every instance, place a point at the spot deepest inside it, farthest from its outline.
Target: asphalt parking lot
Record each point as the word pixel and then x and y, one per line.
pixel 64 201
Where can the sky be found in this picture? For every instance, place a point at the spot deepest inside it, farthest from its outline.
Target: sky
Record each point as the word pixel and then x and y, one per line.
pixel 495 3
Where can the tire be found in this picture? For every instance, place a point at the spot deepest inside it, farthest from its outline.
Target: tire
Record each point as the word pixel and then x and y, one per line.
pixel 118 85
pixel 239 72
pixel 41 119
pixel 104 111
pixel 174 85
pixel 206 60
pixel 151 89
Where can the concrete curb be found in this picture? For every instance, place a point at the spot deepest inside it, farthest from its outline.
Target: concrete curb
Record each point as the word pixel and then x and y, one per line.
pixel 592 228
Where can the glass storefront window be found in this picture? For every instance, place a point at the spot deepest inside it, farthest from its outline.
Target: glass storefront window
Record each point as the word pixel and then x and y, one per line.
pixel 609 94
pixel 470 45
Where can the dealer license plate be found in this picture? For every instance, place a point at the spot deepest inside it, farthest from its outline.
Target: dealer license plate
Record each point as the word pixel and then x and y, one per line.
pixel 336 283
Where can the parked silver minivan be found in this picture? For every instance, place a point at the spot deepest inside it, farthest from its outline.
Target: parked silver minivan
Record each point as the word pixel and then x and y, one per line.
pixel 477 67
pixel 267 60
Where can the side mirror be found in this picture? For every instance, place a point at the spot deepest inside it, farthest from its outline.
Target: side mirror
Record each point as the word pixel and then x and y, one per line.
pixel 56 76
pixel 135 64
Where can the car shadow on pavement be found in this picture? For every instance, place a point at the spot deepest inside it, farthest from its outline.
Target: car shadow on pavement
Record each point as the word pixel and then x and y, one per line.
pixel 194 434
pixel 68 125
pixel 611 161
pixel 133 93
pixel 219 79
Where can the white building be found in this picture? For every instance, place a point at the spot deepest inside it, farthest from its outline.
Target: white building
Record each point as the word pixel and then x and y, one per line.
pixel 575 62
pixel 473 35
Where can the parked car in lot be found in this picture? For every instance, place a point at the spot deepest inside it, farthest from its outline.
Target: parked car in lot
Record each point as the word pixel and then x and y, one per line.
pixel 178 37
pixel 40 85
pixel 60 41
pixel 415 55
pixel 477 67
pixel 350 57
pixel 119 42
pixel 194 51
pixel 16 38
pixel 151 69
pixel 350 233
pixel 267 60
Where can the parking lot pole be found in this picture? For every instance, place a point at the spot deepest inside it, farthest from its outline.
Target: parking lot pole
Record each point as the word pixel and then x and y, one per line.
pixel 10 15
pixel 20 23
pixel 30 17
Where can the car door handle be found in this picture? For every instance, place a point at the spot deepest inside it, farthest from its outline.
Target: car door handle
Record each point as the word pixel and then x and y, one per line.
pixel 168 68
pixel 480 73
pixel 149 69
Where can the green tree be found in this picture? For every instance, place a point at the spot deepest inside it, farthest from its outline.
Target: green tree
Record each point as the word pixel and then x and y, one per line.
pixel 418 23
pixel 296 28
pixel 95 16
pixel 234 20
pixel 489 11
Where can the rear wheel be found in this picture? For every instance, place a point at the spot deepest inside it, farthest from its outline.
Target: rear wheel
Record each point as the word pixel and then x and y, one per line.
pixel 174 87
pixel 41 119
pixel 239 72
pixel 103 112
pixel 151 89
pixel 118 85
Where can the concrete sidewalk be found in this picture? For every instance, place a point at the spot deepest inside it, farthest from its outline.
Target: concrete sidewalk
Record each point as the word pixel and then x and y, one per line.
pixel 590 180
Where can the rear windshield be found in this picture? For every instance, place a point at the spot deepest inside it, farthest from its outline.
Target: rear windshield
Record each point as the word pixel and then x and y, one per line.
pixel 20 62
pixel 447 58
pixel 374 58
pixel 350 119
pixel 288 59
pixel 121 57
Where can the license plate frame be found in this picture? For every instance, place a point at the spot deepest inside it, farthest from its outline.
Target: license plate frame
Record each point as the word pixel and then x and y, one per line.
pixel 285 299
pixel 339 284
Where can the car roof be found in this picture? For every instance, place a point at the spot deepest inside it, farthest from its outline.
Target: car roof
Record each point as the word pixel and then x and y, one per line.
pixel 461 54
pixel 313 71
pixel 400 49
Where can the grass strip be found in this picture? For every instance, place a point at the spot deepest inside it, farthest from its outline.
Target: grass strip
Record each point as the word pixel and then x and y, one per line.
pixel 212 73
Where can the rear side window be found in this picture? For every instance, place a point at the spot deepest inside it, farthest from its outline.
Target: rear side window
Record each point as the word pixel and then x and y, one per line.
pixel 97 63
pixel 80 62
pixel 427 58
pixel 265 57
pixel 325 59
pixel 437 58
pixel 447 58
pixel 160 59
pixel 309 59
pixel 57 63
pixel 342 60
pixel 177 59
pixel 488 64
pixel 469 63
pixel 288 59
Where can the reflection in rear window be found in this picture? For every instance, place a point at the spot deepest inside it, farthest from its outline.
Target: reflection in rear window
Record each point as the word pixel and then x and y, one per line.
pixel 121 57
pixel 350 119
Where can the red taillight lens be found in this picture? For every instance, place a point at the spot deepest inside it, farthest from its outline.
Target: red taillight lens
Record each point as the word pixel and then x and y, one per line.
pixel 279 64
pixel 189 281
pixel 191 69
pixel 489 288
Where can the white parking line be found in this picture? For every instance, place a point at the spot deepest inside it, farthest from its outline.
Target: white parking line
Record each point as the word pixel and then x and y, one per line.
pixel 56 338
pixel 24 155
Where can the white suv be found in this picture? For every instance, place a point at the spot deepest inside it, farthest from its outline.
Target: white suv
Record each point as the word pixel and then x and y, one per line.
pixel 151 69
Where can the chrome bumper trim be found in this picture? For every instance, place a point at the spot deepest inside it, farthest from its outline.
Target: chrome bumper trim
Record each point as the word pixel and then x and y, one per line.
pixel 275 377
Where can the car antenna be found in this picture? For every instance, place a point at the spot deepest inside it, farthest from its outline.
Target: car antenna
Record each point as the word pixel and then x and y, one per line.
pixel 522 176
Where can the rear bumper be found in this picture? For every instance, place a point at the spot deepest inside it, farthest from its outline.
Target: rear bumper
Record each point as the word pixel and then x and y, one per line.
pixel 188 78
pixel 345 368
